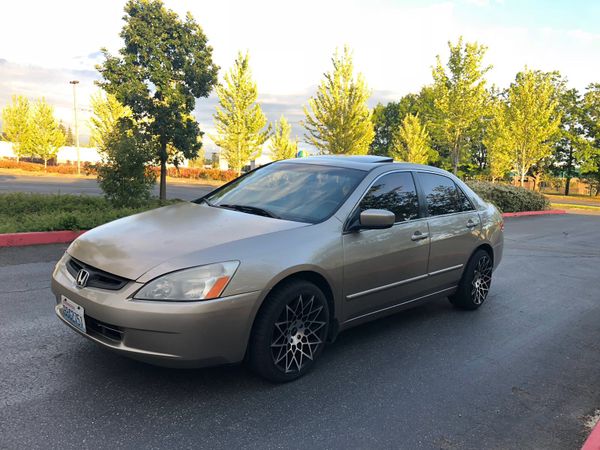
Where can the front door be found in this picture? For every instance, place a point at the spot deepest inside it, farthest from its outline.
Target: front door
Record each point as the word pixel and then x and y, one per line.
pixel 386 267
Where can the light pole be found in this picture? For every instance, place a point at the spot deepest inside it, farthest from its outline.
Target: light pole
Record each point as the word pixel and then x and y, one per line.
pixel 75 83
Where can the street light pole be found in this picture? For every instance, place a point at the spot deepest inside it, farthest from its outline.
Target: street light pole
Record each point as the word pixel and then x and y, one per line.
pixel 75 83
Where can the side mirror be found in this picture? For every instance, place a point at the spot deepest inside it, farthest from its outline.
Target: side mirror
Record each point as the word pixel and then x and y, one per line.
pixel 374 219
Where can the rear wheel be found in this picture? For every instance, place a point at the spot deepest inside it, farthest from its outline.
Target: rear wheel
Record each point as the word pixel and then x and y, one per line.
pixel 290 331
pixel 475 283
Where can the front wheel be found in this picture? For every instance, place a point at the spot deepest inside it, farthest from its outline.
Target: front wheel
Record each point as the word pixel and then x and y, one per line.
pixel 475 283
pixel 290 331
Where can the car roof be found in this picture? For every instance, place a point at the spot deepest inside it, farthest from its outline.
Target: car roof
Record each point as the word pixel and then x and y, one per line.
pixel 361 162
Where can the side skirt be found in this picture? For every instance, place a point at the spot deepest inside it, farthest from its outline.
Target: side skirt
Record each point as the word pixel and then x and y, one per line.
pixel 396 308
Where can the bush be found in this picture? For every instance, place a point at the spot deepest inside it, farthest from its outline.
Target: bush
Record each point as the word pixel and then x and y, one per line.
pixel 194 173
pixel 509 198
pixel 64 169
pixel 20 212
pixel 124 175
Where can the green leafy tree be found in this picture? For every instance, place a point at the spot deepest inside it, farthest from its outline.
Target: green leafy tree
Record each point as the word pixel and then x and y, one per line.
pixel 338 120
pixel 124 173
pixel 573 149
pixel 16 125
pixel 590 167
pixel 281 146
pixel 387 119
pixel 46 136
pixel 411 142
pixel 498 143
pixel 526 125
pixel 239 120
pixel 460 96
pixel 163 67
pixel 107 111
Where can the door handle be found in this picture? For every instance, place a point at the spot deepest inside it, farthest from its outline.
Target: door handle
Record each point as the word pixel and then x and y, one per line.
pixel 472 224
pixel 417 236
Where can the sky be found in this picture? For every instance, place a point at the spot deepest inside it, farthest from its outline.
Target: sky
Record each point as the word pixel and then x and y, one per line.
pixel 45 44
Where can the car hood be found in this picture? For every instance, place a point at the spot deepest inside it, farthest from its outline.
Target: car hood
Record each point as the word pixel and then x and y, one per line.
pixel 131 246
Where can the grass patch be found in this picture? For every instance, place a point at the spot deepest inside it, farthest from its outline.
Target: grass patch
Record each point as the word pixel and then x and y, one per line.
pixel 575 206
pixel 21 212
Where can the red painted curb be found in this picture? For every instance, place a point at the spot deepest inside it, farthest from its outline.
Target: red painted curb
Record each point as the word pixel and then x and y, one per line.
pixel 38 238
pixel 534 213
pixel 593 440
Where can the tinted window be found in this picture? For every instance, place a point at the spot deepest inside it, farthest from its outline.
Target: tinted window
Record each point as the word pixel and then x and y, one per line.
pixel 394 192
pixel 299 192
pixel 442 195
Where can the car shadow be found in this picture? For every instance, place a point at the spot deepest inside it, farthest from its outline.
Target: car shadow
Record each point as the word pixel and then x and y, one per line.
pixel 348 352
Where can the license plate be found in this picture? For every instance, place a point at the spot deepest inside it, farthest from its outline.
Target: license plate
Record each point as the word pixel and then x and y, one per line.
pixel 73 313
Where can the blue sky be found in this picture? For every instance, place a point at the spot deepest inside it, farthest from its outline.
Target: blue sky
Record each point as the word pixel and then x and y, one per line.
pixel 290 43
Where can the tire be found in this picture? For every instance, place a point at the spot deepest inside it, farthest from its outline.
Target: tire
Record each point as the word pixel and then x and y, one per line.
pixel 289 332
pixel 475 283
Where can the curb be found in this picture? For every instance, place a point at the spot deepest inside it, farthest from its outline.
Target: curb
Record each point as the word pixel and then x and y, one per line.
pixel 534 213
pixel 593 440
pixel 38 238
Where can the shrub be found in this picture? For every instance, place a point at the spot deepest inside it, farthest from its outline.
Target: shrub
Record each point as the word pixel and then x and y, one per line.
pixel 193 173
pixel 124 176
pixel 509 198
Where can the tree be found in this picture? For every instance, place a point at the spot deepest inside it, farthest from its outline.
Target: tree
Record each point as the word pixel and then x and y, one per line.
pixel 282 147
pixel 339 120
pixel 497 142
pixel 239 120
pixel 16 125
pixel 411 142
pixel 46 135
pixel 526 125
pixel 107 111
pixel 386 120
pixel 590 168
pixel 572 149
pixel 163 67
pixel 124 174
pixel 460 95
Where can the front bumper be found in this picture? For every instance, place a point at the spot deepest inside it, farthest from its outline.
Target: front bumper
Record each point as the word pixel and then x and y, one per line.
pixel 176 334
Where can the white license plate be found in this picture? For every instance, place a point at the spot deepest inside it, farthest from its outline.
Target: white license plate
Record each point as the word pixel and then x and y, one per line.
pixel 73 313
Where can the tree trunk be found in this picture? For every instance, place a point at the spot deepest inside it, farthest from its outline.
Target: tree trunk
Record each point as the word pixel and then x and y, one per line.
pixel 455 157
pixel 45 163
pixel 522 178
pixel 567 185
pixel 163 172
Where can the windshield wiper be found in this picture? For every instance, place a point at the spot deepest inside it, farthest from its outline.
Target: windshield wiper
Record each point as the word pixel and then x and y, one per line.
pixel 250 210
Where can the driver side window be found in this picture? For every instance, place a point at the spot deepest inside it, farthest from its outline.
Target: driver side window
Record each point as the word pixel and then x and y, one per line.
pixel 394 192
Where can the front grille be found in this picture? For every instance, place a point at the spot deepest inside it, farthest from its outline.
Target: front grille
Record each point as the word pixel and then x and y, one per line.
pixel 98 278
pixel 112 332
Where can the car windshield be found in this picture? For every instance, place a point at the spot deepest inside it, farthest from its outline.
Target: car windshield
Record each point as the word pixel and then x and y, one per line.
pixel 290 191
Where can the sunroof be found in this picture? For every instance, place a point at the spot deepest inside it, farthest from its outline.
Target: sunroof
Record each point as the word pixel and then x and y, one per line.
pixel 368 159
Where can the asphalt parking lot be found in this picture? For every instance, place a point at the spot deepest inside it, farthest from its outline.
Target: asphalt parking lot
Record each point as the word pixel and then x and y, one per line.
pixel 522 372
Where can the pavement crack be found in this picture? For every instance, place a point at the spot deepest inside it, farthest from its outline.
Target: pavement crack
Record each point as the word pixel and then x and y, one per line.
pixel 26 290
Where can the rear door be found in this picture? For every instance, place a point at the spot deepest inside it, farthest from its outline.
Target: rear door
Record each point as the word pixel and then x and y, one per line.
pixel 385 267
pixel 454 228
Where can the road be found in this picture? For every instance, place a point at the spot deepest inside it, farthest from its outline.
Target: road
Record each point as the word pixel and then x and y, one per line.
pixel 522 372
pixel 75 185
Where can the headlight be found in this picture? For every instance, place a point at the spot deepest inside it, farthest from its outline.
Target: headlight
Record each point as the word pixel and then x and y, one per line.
pixel 197 283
